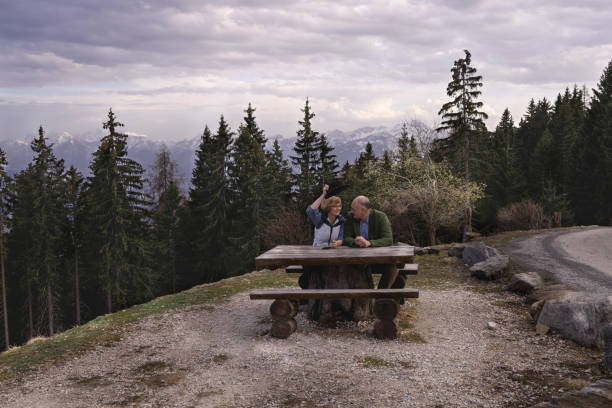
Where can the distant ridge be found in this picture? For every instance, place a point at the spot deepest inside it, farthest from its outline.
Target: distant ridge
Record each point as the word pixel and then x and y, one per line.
pixel 77 150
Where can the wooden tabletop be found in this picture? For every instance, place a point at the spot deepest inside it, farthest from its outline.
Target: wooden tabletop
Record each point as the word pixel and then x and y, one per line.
pixel 284 255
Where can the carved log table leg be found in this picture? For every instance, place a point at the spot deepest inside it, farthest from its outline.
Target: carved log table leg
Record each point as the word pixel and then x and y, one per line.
pixel 283 311
pixel 385 326
pixel 339 277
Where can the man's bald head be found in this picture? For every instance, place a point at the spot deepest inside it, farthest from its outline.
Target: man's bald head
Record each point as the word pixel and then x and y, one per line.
pixel 360 207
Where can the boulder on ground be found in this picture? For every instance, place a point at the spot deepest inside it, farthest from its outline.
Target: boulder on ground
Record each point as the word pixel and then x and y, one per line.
pixel 578 316
pixel 596 395
pixel 472 254
pixel 491 268
pixel 548 292
pixel 525 282
pixel 456 250
pixel 425 251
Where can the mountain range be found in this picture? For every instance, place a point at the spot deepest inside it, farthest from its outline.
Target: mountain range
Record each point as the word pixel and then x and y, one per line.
pixel 77 150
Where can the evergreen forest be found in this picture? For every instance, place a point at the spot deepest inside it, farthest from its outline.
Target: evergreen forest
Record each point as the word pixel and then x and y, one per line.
pixel 74 246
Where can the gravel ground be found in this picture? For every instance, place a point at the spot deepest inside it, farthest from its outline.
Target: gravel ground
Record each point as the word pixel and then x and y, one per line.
pixel 221 356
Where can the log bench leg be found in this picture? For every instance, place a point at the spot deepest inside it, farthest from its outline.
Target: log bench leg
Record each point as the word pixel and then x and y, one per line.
pixel 386 311
pixel 283 311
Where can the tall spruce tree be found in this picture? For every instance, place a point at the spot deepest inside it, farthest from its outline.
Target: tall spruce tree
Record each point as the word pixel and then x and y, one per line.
pixel 461 116
pixel 592 192
pixel 116 211
pixel 166 219
pixel 49 215
pixel 210 205
pixel 5 183
pixel 247 174
pixel 328 166
pixel 74 185
pixel 278 180
pixel 307 158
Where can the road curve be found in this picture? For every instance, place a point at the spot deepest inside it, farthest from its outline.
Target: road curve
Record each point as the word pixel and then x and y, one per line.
pixel 578 258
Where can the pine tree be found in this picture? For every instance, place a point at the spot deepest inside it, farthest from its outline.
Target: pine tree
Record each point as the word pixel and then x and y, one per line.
pixel 5 183
pixel 23 258
pixel 307 158
pixel 328 166
pixel 164 173
pixel 247 173
pixel 210 204
pixel 277 180
pixel 74 185
pixel 592 192
pixel 461 116
pixel 49 216
pixel 116 211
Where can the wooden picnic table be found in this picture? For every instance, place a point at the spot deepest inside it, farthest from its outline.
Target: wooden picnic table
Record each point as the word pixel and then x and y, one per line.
pixel 335 268
pixel 285 255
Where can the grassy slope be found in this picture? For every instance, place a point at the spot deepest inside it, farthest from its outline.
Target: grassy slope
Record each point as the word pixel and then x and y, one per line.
pixel 436 272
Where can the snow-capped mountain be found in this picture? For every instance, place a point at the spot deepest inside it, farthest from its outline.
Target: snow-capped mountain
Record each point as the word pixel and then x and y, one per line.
pixel 77 150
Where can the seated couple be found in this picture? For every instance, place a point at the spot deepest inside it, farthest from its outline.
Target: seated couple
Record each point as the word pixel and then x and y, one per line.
pixel 366 227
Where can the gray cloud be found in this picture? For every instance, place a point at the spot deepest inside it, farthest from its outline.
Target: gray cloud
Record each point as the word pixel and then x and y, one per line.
pixel 167 54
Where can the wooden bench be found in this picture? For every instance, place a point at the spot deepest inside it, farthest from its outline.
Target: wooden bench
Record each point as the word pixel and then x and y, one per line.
pixel 285 307
pixel 405 269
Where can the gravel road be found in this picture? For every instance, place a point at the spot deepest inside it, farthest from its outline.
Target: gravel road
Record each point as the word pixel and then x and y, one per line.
pixel 581 259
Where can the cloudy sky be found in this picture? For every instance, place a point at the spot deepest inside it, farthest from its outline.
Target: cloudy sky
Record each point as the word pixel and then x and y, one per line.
pixel 169 67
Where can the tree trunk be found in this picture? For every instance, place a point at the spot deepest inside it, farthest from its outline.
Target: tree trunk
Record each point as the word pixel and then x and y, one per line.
pixel 49 300
pixel 30 312
pixel 76 286
pixel 339 277
pixel 4 309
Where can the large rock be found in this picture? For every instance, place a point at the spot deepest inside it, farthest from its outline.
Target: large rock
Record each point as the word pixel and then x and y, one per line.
pixel 607 338
pixel 472 254
pixel 491 268
pixel 525 282
pixel 548 292
pixel 596 395
pixel 578 316
pixel 456 250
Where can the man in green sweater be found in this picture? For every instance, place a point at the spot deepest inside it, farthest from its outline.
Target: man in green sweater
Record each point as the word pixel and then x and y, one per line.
pixel 370 228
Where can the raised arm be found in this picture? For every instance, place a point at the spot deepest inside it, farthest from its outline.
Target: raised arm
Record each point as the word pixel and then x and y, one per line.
pixel 311 210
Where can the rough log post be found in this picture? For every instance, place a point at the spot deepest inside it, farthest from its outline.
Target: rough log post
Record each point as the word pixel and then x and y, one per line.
pixel 282 309
pixel 283 328
pixel 386 309
pixel 385 329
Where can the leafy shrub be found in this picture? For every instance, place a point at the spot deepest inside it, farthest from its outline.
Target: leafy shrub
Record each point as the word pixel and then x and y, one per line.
pixel 524 215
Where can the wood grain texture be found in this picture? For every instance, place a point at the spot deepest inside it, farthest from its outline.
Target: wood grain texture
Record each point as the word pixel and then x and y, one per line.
pixel 285 255
pixel 335 294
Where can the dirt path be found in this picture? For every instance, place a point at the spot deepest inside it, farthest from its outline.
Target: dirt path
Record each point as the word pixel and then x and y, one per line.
pixel 581 259
pixel 221 356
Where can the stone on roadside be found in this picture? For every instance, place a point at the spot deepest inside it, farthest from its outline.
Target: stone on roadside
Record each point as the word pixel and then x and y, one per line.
pixel 547 293
pixel 536 308
pixel 472 254
pixel 491 268
pixel 491 325
pixel 578 316
pixel 425 251
pixel 456 250
pixel 525 282
pixel 607 337
pixel 596 395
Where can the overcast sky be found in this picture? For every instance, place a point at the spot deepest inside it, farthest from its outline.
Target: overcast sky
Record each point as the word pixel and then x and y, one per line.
pixel 169 67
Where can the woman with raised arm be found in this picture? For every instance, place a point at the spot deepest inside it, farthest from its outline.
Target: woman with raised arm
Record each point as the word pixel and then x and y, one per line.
pixel 328 222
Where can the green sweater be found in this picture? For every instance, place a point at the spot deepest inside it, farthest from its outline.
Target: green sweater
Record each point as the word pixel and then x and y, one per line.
pixel 379 230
